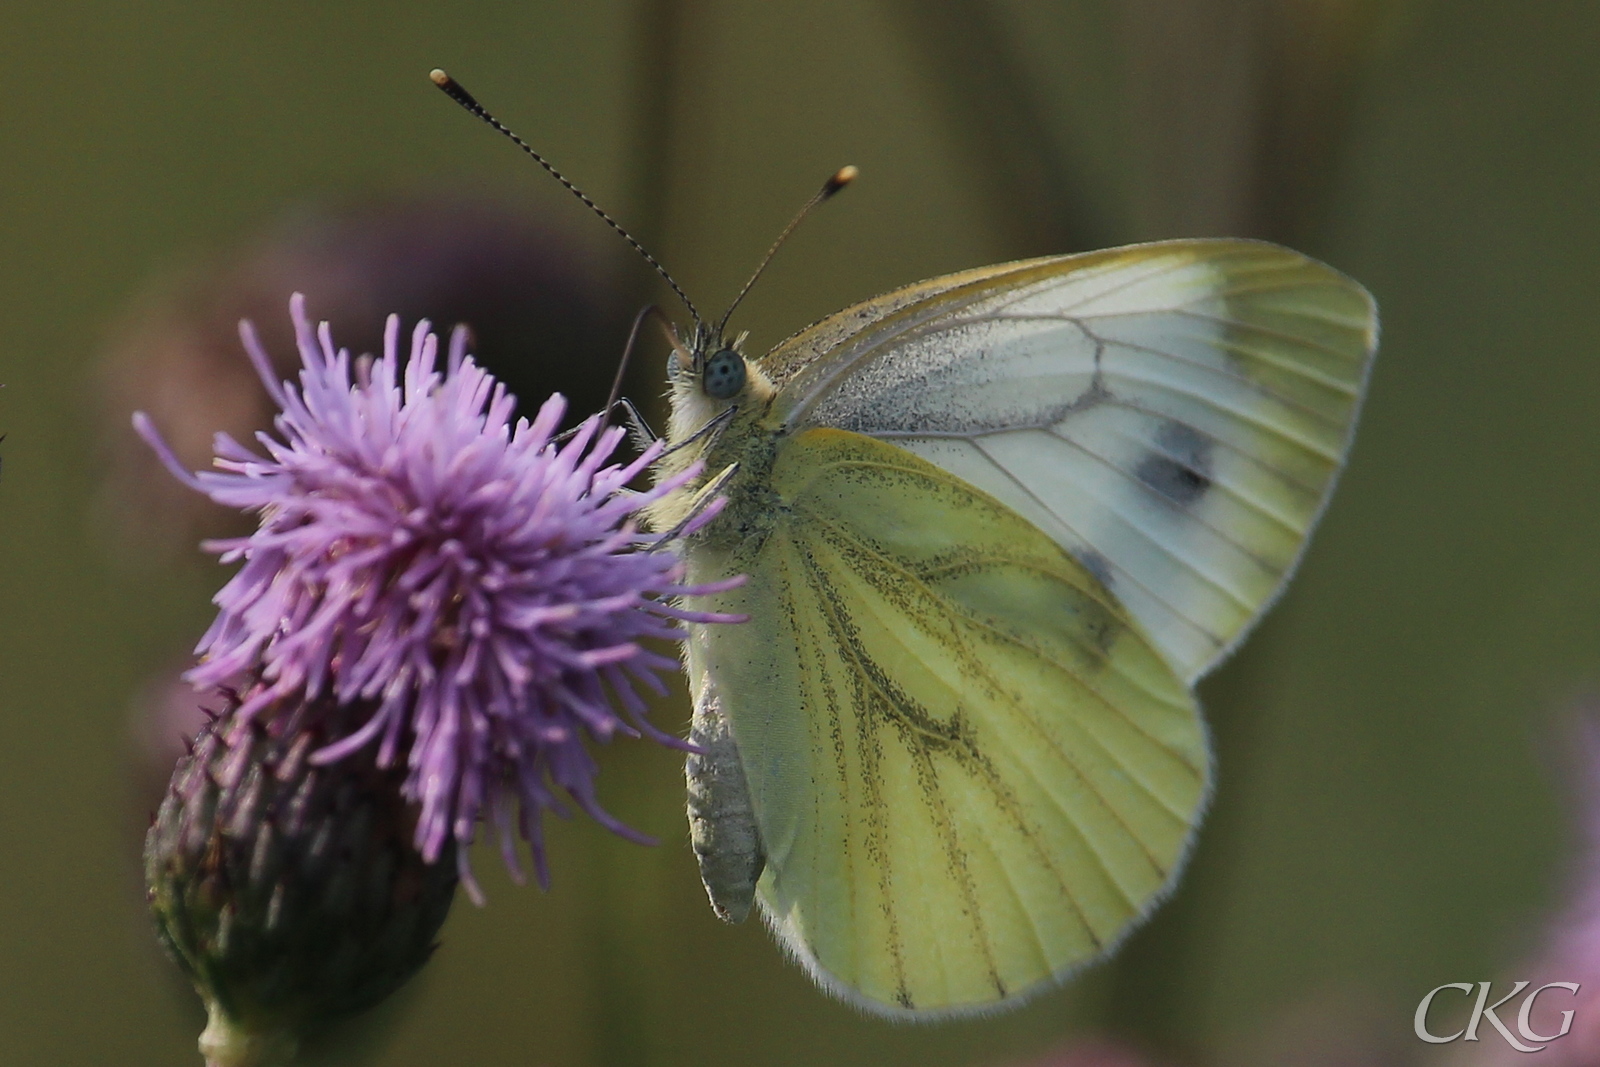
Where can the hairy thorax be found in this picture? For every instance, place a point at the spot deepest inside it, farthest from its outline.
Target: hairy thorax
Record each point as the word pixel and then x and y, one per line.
pixel 736 460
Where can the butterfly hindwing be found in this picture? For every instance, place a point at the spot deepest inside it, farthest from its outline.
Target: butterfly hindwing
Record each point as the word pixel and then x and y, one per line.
pixel 970 770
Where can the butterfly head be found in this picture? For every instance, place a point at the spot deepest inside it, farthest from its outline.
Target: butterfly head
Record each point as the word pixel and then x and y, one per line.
pixel 711 372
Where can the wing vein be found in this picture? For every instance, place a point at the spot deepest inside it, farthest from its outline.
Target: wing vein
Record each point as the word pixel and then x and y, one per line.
pixel 837 534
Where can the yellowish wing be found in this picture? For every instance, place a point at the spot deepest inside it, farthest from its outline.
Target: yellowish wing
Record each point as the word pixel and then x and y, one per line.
pixel 1172 414
pixel 970 771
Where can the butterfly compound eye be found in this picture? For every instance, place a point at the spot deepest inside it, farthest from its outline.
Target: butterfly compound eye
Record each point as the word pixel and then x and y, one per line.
pixel 724 375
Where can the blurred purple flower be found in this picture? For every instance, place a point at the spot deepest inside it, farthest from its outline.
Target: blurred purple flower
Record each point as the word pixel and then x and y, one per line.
pixel 1571 950
pixel 476 583
pixel 1572 947
pixel 539 302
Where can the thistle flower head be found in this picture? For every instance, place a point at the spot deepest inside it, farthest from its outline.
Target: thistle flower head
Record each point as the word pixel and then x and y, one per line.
pixel 476 581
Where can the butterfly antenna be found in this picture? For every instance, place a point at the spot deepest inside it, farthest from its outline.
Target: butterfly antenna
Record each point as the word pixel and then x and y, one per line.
pixel 456 92
pixel 841 178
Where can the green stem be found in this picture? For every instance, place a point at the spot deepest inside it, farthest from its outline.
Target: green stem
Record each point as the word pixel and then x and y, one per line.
pixel 226 1042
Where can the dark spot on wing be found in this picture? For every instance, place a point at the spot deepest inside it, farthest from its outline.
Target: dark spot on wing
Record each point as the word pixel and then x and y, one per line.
pixel 1179 468
pixel 1096 564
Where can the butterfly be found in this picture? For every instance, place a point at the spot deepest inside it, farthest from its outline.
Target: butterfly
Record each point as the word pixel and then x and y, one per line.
pixel 995 526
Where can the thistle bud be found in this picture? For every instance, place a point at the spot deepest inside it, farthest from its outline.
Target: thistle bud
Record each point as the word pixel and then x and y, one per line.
pixel 289 891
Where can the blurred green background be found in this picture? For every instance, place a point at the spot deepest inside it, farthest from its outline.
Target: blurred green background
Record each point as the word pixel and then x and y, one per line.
pixel 1389 815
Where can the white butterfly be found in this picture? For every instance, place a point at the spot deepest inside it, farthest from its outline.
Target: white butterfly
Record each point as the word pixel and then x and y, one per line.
pixel 996 525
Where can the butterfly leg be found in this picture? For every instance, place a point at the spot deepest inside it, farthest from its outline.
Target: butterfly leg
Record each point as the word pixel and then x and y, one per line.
pixel 713 428
pixel 702 500
pixel 643 435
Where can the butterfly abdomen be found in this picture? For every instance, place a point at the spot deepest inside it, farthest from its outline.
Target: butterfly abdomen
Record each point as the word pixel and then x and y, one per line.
pixel 722 820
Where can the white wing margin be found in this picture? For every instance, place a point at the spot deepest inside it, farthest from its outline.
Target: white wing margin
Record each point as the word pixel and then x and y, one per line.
pixel 1173 414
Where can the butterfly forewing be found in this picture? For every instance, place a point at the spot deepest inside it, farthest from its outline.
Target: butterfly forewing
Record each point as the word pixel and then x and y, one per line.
pixel 971 771
pixel 1174 415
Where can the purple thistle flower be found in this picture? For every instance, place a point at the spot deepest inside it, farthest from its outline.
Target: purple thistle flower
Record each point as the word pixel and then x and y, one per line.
pixel 478 584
